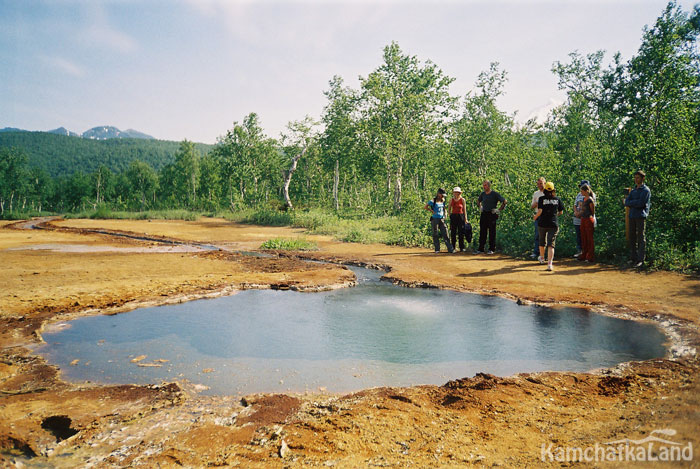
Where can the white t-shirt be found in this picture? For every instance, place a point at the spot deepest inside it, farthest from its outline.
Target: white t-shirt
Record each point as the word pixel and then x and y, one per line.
pixel 536 197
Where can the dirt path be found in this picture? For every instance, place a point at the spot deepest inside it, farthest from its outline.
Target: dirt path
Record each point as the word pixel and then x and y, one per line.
pixel 483 420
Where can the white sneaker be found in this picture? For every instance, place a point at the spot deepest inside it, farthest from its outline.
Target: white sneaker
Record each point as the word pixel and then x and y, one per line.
pixel 533 255
pixel 489 252
pixel 577 254
pixel 541 259
pixel 550 268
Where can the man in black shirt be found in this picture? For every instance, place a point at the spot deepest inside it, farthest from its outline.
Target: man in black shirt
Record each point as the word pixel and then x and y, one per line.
pixel 488 203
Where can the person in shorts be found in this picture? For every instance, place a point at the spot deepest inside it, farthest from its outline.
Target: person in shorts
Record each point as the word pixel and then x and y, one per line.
pixel 535 198
pixel 549 208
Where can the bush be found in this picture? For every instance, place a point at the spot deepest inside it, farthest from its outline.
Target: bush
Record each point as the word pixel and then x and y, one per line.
pixel 289 244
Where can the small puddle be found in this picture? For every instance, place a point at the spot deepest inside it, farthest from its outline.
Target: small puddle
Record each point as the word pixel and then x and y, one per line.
pixel 375 334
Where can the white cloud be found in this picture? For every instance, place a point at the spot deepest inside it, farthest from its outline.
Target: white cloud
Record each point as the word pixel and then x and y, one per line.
pixel 64 65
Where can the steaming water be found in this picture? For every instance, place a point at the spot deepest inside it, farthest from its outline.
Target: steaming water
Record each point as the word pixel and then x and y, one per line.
pixel 375 334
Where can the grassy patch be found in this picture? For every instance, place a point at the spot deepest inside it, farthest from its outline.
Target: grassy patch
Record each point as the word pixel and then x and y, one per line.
pixel 104 213
pixel 24 215
pixel 283 244
pixel 406 230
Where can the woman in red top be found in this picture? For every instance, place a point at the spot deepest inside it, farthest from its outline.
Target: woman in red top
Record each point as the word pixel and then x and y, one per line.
pixel 458 218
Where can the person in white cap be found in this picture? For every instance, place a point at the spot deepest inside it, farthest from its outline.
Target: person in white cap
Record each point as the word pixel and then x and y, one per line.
pixel 458 218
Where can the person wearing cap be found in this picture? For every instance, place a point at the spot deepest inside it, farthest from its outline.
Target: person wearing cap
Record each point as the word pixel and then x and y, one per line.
pixel 549 207
pixel 437 220
pixel 639 201
pixel 535 198
pixel 458 218
pixel 488 206
pixel 578 204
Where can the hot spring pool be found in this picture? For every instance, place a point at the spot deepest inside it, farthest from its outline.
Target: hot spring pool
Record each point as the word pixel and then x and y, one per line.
pixel 375 334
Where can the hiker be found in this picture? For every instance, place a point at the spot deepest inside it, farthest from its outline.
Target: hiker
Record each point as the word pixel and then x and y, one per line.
pixel 488 203
pixel 549 207
pixel 535 198
pixel 458 219
pixel 586 213
pixel 639 201
pixel 437 220
pixel 577 206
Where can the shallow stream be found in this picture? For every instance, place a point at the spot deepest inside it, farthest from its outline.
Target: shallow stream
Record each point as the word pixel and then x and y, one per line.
pixel 375 334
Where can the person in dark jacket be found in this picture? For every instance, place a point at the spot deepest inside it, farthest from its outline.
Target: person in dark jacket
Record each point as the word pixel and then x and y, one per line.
pixel 549 208
pixel 488 206
pixel 639 201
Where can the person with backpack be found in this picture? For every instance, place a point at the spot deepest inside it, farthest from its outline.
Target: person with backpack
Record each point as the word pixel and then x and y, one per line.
pixel 437 220
pixel 549 207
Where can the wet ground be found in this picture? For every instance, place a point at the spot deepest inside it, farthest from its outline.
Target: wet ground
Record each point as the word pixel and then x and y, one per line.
pixel 484 420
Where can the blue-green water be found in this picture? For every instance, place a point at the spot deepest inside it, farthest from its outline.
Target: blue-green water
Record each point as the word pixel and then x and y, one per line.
pixel 375 334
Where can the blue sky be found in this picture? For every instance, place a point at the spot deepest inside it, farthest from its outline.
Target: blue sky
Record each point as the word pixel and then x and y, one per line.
pixel 180 69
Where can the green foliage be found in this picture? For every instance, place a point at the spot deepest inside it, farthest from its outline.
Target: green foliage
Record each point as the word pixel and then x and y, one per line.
pixel 103 212
pixel 386 147
pixel 294 244
pixel 61 155
pixel 268 218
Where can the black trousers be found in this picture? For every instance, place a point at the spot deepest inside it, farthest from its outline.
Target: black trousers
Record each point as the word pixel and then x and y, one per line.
pixel 487 225
pixel 457 221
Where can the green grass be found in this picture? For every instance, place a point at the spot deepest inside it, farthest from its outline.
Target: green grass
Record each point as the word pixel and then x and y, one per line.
pixel 359 227
pixel 283 244
pixel 104 213
pixel 24 214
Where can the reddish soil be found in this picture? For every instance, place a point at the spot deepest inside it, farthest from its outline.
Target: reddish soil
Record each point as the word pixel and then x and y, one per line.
pixel 485 420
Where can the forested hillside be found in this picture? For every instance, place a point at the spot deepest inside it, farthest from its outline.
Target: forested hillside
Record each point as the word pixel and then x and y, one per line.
pixel 61 155
pixel 383 150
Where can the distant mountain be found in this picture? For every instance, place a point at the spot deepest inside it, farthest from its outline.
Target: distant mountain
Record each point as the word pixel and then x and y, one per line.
pixel 63 131
pixel 106 132
pixel 103 132
pixel 62 155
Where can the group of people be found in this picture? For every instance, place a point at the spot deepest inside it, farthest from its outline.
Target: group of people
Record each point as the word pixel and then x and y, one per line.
pixel 547 210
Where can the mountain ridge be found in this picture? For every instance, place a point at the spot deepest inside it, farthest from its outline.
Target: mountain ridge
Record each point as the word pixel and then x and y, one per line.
pixel 100 132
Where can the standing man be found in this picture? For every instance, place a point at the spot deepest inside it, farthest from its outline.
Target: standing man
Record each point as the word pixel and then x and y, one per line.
pixel 535 198
pixel 638 200
pixel 488 203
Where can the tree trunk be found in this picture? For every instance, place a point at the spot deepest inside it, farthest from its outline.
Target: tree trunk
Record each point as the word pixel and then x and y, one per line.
pixel 336 180
pixel 397 187
pixel 97 188
pixel 288 177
